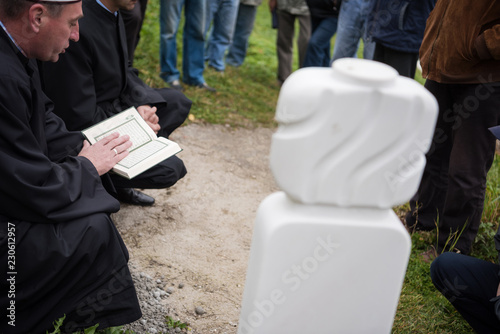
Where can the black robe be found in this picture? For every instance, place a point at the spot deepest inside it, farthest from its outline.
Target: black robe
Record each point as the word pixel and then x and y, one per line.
pixel 59 248
pixel 93 80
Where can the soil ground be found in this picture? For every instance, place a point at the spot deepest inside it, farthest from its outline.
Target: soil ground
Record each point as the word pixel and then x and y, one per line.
pixel 197 235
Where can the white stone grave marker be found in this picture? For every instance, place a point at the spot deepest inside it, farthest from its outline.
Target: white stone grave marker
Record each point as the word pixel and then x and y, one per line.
pixel 328 253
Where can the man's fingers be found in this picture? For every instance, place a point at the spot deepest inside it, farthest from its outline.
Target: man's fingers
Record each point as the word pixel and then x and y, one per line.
pixel 120 148
pixel 154 126
pixel 154 118
pixel 109 138
pixel 116 141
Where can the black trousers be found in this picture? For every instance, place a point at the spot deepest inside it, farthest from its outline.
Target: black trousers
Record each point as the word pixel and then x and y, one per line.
pixel 470 284
pixel 404 62
pixel 451 193
pixel 167 172
pixel 78 268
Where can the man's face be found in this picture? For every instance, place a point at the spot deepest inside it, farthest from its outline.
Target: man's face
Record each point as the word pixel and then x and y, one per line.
pixel 56 32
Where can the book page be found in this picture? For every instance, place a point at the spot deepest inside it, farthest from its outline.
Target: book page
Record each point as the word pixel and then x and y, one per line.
pixel 141 153
pixel 138 136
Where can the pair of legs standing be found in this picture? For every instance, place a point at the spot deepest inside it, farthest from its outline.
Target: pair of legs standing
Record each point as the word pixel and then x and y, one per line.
pixel 453 185
pixel 193 47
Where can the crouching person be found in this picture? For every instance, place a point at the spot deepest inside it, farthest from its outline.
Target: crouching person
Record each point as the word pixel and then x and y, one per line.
pixel 60 253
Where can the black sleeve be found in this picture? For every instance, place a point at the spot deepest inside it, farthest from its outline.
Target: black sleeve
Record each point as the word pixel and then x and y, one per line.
pixel 34 188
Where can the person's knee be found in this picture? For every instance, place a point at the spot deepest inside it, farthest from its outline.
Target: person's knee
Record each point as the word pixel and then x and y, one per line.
pixel 176 168
pixel 176 101
pixel 163 175
pixel 98 228
pixel 440 266
pixel 445 272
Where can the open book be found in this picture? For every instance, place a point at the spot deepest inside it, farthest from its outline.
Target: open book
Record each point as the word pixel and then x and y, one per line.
pixel 147 149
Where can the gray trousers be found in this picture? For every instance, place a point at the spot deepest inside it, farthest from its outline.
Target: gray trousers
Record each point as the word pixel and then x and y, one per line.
pixel 286 32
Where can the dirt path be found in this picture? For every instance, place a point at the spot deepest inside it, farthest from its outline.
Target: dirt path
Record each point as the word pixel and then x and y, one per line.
pixel 197 235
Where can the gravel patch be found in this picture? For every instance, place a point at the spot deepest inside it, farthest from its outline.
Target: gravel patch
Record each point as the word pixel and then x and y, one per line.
pixel 152 294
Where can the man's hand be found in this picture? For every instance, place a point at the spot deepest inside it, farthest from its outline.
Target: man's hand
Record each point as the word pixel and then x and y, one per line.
pixel 149 115
pixel 107 152
pixel 498 290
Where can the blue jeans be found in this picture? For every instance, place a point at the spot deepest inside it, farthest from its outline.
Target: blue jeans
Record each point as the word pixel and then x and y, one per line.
pixel 193 40
pixel 318 49
pixel 351 27
pixel 470 284
pixel 244 26
pixel 223 13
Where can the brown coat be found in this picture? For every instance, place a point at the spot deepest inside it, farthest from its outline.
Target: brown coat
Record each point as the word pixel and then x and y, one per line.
pixel 462 42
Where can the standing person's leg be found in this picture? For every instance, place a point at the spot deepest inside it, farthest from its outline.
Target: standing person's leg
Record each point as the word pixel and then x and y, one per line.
pixel 284 44
pixel 170 14
pixel 304 36
pixel 314 47
pixel 368 43
pixel 469 284
pixel 318 49
pixel 331 26
pixel 212 7
pixel 243 28
pixel 193 63
pixel 427 204
pixel 405 63
pixel 476 108
pixel 222 33
pixel 349 29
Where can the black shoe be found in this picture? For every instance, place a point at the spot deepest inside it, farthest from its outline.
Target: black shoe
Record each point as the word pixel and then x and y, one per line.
pixel 134 197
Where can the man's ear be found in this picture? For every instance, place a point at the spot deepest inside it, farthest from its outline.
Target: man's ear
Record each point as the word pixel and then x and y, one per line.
pixel 36 15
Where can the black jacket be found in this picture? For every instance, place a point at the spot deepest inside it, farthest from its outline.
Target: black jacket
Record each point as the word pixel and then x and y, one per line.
pixel 323 8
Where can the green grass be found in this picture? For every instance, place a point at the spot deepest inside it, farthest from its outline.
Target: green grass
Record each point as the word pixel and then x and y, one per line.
pixel 247 97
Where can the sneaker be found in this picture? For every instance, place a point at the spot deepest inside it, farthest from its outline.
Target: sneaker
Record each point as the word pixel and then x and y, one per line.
pixel 207 87
pixel 176 84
